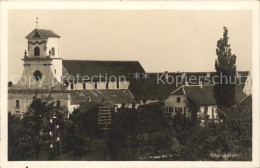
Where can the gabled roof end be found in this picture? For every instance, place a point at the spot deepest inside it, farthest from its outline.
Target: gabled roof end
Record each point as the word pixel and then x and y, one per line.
pixel 42 33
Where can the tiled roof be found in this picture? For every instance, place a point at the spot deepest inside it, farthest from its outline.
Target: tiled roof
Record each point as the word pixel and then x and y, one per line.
pixel 64 72
pixel 116 96
pixel 104 68
pixel 154 89
pixel 179 91
pixel 86 106
pixel 194 78
pixel 205 95
pixel 141 88
pixel 200 96
pixel 41 33
pixel 247 100
pixel 240 95
pixel 151 88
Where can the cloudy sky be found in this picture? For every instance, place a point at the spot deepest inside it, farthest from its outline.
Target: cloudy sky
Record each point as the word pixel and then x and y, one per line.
pixel 161 40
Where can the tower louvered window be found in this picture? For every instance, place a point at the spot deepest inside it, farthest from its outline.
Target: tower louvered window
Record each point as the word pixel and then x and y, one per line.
pixel 36 51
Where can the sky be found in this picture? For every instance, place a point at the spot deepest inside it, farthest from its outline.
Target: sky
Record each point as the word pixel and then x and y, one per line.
pixel 161 40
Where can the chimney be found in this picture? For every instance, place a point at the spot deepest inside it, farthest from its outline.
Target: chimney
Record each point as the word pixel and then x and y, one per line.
pixel 200 83
pixel 166 74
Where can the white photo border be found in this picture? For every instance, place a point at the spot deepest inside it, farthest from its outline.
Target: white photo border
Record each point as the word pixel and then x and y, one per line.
pixel 129 5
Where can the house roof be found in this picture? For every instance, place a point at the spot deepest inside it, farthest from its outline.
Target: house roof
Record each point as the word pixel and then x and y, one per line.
pixel 205 95
pixel 151 88
pixel 41 33
pixel 104 68
pixel 247 100
pixel 117 96
pixel 85 106
pixel 193 78
pixel 179 91
pixel 200 96
pixel 154 89
pixel 240 95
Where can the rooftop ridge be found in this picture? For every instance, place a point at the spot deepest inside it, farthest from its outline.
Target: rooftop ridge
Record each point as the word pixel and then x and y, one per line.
pixel 183 90
pixel 245 98
pixel 41 33
pixel 199 85
pixel 101 60
pixel 189 72
pixel 176 89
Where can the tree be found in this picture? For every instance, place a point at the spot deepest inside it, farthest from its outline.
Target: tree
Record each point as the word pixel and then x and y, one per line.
pixel 225 65
pixel 38 123
pixel 82 129
pixel 138 132
pixel 231 135
pixel 238 127
pixel 18 149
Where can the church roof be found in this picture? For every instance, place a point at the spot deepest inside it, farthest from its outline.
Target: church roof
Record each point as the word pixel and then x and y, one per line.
pixel 104 68
pixel 41 33
pixel 116 96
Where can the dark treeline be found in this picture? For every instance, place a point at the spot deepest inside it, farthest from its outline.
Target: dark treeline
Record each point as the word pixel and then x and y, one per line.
pixel 134 134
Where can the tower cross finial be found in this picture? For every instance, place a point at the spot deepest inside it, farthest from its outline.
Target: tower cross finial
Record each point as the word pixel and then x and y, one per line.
pixel 36 22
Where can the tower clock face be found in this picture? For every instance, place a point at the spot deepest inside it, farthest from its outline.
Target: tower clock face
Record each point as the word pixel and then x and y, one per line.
pixel 37 75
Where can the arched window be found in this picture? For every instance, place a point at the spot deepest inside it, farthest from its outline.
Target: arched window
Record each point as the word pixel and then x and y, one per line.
pixel 36 51
pixel 52 51
pixel 37 75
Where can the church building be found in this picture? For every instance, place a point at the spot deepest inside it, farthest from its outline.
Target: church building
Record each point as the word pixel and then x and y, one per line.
pixel 72 82
pixel 69 82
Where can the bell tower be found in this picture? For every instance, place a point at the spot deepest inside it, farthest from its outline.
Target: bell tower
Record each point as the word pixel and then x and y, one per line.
pixel 42 72
pixel 42 43
pixel 43 63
